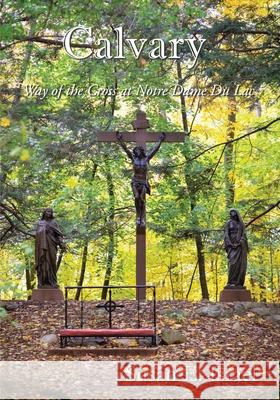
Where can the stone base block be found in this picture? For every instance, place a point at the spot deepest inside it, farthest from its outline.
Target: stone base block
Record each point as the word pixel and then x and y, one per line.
pixel 47 294
pixel 106 351
pixel 231 295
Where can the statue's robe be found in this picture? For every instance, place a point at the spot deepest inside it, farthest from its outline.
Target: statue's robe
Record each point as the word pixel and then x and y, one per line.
pixel 236 246
pixel 48 238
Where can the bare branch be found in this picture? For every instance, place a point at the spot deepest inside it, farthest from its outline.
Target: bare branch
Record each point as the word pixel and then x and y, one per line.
pixel 216 166
pixel 50 42
pixel 263 213
pixel 251 49
pixel 14 212
pixel 194 117
pixel 261 128
pixel 14 226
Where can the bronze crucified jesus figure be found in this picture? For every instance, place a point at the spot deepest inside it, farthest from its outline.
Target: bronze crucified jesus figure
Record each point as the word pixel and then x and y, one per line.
pixel 140 184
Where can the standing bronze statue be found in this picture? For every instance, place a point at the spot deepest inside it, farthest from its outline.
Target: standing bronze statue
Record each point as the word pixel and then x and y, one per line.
pixel 47 241
pixel 236 246
pixel 140 184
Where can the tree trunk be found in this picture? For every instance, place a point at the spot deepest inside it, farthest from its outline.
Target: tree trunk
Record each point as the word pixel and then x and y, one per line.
pixel 262 285
pixel 182 99
pixel 111 241
pixel 201 265
pixel 29 276
pixel 271 268
pixel 216 279
pixel 198 237
pixel 192 278
pixel 229 153
pixel 253 285
pixel 83 270
pixel 111 193
pixel 24 67
pixel 171 281
pixel 86 243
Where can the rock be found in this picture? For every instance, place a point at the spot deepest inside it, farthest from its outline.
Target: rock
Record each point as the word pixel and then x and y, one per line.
pixel 11 306
pixel 49 339
pixel 261 311
pixel 215 310
pixel 236 326
pixel 124 342
pixel 202 311
pixel 248 304
pixel 100 340
pixel 88 341
pixel 170 336
pixel 210 310
pixel 275 318
pixel 250 315
pixel 177 315
pixel 147 342
pixel 239 308
pixel 227 312
pixel 274 309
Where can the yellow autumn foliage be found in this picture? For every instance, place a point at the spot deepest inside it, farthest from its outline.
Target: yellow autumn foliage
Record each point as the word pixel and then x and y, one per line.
pixel 171 3
pixel 25 155
pixel 5 122
pixel 232 8
pixel 72 182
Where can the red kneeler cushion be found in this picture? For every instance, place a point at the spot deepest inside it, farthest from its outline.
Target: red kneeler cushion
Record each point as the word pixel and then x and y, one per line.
pixel 107 332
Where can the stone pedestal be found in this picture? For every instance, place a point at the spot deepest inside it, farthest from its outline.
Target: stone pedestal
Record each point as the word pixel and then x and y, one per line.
pixel 47 294
pixel 231 295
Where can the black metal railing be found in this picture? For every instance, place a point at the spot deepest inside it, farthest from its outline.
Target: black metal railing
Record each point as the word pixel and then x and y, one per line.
pixel 110 305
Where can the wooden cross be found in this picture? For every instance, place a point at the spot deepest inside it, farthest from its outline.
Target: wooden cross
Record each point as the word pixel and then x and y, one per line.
pixel 141 136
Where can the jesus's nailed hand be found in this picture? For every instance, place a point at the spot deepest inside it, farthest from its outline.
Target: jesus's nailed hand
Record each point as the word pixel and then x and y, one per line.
pixel 119 135
pixel 162 136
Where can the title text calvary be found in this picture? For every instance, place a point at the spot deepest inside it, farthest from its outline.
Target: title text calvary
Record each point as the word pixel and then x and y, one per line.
pixel 188 50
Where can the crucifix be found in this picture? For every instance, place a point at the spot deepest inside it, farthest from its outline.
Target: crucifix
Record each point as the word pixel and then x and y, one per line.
pixel 140 184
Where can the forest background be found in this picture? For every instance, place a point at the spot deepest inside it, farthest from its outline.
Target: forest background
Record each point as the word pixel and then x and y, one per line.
pixel 230 157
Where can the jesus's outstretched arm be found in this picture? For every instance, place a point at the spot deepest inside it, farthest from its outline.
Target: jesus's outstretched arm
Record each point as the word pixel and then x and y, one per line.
pixel 123 145
pixel 155 149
